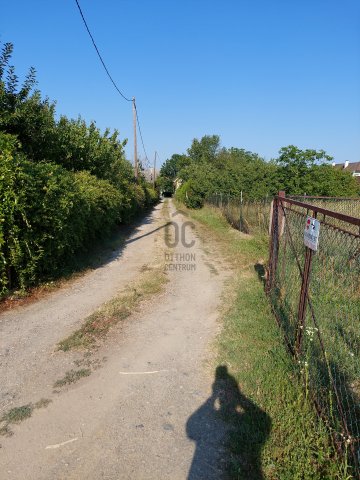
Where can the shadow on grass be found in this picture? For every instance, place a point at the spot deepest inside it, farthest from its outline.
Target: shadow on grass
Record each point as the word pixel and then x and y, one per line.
pixel 229 431
pixel 261 272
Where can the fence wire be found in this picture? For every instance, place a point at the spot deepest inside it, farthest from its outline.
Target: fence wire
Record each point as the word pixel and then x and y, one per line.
pixel 346 206
pixel 316 298
pixel 248 216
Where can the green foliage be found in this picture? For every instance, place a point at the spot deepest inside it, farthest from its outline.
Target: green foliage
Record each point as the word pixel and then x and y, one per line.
pixel 63 183
pixel 79 147
pixel 301 171
pixel 10 169
pixel 204 150
pixel 329 181
pixel 171 167
pixel 165 184
pixel 70 143
pixel 209 169
pixel 190 194
pixel 169 172
pixel 48 214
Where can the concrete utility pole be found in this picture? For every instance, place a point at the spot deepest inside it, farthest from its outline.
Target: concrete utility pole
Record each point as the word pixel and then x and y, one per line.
pixel 136 168
pixel 154 170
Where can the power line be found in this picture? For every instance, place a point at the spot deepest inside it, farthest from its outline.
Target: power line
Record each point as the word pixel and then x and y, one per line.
pixel 113 82
pixel 141 137
pixel 99 55
pixel 157 154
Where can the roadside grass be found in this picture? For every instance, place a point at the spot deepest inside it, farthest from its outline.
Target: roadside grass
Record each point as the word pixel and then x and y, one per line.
pixel 96 326
pixel 280 437
pixel 19 414
pixel 72 376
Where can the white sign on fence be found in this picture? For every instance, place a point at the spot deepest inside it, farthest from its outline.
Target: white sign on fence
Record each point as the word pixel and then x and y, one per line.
pixel 311 233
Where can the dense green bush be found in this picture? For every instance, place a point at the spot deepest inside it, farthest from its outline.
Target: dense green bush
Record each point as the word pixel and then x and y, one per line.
pixel 63 184
pixel 190 195
pixel 47 215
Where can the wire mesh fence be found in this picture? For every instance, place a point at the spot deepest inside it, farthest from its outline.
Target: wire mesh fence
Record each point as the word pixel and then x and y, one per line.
pixel 347 206
pixel 248 216
pixel 316 298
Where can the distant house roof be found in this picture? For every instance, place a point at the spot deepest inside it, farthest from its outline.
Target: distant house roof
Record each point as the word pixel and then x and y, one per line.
pixel 353 167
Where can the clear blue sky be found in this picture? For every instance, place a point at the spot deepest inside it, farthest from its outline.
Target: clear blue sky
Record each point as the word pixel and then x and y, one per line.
pixel 260 73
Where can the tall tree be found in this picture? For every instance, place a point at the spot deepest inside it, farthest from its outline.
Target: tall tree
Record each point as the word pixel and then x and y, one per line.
pixel 204 150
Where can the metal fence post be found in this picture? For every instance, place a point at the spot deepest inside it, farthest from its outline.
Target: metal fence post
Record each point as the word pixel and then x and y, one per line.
pixel 273 221
pixel 276 220
pixel 304 293
pixel 303 300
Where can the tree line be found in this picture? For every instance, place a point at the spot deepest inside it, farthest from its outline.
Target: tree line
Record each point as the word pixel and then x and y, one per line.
pixel 63 183
pixel 207 169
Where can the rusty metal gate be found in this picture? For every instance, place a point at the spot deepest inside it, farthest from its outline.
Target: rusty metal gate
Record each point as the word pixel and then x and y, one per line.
pixel 315 296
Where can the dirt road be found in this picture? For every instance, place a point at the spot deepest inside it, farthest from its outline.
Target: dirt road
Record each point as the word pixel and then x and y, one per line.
pixel 148 411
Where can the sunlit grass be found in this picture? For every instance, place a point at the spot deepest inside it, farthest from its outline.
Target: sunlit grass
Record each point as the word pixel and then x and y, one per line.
pixel 251 344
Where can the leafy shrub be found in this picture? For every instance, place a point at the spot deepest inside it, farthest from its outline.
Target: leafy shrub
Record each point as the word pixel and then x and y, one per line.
pixel 47 215
pixel 190 195
pixel 151 196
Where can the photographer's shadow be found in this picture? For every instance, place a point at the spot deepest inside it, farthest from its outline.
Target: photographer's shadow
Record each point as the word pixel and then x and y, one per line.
pixel 229 431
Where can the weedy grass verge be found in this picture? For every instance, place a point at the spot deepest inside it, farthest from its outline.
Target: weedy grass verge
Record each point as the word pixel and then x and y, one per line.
pixel 97 325
pixel 150 282
pixel 19 414
pixel 72 376
pixel 279 435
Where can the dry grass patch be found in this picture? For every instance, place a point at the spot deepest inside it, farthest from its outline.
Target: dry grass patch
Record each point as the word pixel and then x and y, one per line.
pixel 72 376
pixel 19 414
pixel 98 324
pixel 151 281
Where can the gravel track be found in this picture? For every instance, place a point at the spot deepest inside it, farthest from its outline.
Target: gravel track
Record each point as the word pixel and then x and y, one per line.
pixel 148 411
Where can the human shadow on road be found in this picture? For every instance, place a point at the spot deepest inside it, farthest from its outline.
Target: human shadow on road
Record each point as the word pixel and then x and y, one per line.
pixel 229 431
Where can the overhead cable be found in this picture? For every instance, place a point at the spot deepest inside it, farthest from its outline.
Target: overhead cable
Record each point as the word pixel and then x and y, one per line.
pixel 99 55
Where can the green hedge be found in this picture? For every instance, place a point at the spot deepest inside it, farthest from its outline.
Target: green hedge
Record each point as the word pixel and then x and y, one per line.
pixel 48 213
pixel 63 183
pixel 190 195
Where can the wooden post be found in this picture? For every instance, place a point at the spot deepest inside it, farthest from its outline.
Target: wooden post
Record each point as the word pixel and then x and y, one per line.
pixel 154 170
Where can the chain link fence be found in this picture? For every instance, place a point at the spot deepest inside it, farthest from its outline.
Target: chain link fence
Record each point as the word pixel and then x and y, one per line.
pixel 316 299
pixel 347 206
pixel 248 216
